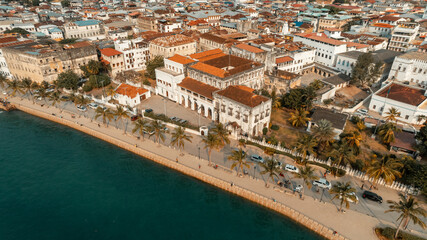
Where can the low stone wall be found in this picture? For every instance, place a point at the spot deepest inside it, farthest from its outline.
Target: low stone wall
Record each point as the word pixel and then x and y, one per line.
pixel 242 192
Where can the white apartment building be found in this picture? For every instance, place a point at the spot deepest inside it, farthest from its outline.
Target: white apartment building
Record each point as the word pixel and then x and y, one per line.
pixel 53 31
pixel 169 76
pixel 411 102
pixel 242 110
pixel 114 59
pixel 135 53
pixel 297 61
pixel 402 35
pixel 7 42
pixel 326 48
pixel 130 95
pixel 169 26
pixel 382 29
pixel 410 67
pixel 88 29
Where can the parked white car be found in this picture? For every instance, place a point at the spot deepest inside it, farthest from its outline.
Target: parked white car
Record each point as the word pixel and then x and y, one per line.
pixel 92 105
pixel 291 168
pixel 257 158
pixel 82 108
pixel 362 111
pixel 323 183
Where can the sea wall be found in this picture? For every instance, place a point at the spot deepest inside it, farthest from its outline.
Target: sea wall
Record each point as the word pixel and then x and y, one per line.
pixel 242 192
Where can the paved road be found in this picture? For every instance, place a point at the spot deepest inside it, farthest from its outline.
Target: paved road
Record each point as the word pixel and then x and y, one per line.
pixel 220 157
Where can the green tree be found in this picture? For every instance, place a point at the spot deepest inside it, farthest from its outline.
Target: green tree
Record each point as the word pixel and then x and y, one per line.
pixel 353 139
pixel 152 64
pixel 65 3
pixel 91 68
pixel 55 98
pixel 343 192
pixel 342 154
pixel 392 114
pixel 422 140
pixel 305 145
pixel 15 86
pixel 366 71
pixel 387 132
pixel 3 80
pixel 239 159
pixel 270 167
pixel 43 94
pixel 409 209
pixel 68 41
pixel 306 173
pixel 27 87
pixel 68 79
pixel 159 131
pixel 140 126
pixel 299 118
pixel 179 136
pixel 210 141
pixel 120 113
pixel 222 134
pixel 18 31
pixel 106 115
pixel 275 100
pixel 386 167
pixel 324 133
pixel 299 98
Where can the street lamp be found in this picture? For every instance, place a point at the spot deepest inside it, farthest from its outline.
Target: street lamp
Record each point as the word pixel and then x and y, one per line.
pixel 254 170
pixel 321 197
pixel 199 151
pixel 164 105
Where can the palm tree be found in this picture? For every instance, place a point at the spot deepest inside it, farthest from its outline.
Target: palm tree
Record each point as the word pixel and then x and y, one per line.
pixel 55 97
pixel 239 159
pixel 385 167
pixel 179 137
pixel 275 100
pixel 3 80
pixel 105 114
pixel 211 141
pixel 342 154
pixel 360 124
pixel 111 92
pixel 15 86
pixel 81 100
pixel 299 118
pixel 344 192
pixel 392 114
pixel 305 145
pixel 159 130
pixel 271 167
pixel 27 86
pixel 324 133
pixel 121 114
pixel 409 209
pixel 141 125
pixel 353 139
pixel 222 134
pixel 387 132
pixel 306 173
pixel 43 94
pixel 242 143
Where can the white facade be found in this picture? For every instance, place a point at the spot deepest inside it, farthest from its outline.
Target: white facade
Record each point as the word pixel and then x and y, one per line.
pixel 167 79
pixel 326 48
pixel 402 35
pixel 345 64
pixel 411 67
pixel 408 112
pixel 302 59
pixel 89 29
pixel 169 27
pixel 135 53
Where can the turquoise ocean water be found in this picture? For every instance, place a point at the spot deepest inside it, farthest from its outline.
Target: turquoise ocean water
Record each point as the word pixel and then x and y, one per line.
pixel 57 183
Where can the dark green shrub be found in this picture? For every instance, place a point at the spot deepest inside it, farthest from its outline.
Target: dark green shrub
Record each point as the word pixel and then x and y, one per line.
pixel 264 131
pixel 389 233
pixel 274 127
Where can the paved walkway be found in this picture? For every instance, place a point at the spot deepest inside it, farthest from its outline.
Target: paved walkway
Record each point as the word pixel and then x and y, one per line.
pixel 352 224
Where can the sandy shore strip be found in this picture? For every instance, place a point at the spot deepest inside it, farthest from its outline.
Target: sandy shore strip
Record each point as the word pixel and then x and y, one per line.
pixel 321 218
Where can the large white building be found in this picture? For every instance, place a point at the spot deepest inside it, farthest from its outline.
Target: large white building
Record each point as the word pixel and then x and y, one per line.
pixel 410 67
pixel 326 48
pixel 411 102
pixel 402 36
pixel 135 53
pixel 88 29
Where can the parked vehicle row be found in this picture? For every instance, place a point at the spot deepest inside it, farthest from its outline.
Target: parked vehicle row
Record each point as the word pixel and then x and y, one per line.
pixel 178 120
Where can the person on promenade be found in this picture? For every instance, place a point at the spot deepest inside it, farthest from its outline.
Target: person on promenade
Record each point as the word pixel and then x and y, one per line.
pixel 199 166
pixel 362 186
pixel 177 160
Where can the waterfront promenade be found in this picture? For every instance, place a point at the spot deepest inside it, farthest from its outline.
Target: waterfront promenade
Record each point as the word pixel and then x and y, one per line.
pixel 351 225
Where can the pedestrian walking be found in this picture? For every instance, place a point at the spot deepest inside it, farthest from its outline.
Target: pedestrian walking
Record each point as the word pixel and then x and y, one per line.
pixel 370 188
pixel 199 166
pixel 362 186
pixel 176 159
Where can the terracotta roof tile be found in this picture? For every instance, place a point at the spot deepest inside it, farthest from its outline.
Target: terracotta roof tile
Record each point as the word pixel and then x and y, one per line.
pixel 209 69
pixel 243 95
pixel 322 38
pixel 173 40
pixel 249 48
pixel 181 59
pixel 205 53
pixel 284 59
pixel 405 94
pixel 130 91
pixel 382 25
pixel 198 87
pixel 110 52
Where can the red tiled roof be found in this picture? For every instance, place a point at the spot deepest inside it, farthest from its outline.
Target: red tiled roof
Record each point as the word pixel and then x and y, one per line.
pixel 110 52
pixel 130 91
pixel 209 69
pixel 181 59
pixel 249 48
pixel 405 94
pixel 322 38
pixel 382 25
pixel 357 45
pixel 243 95
pixel 205 53
pixel 8 39
pixel 198 87
pixel 284 59
pixel 389 18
